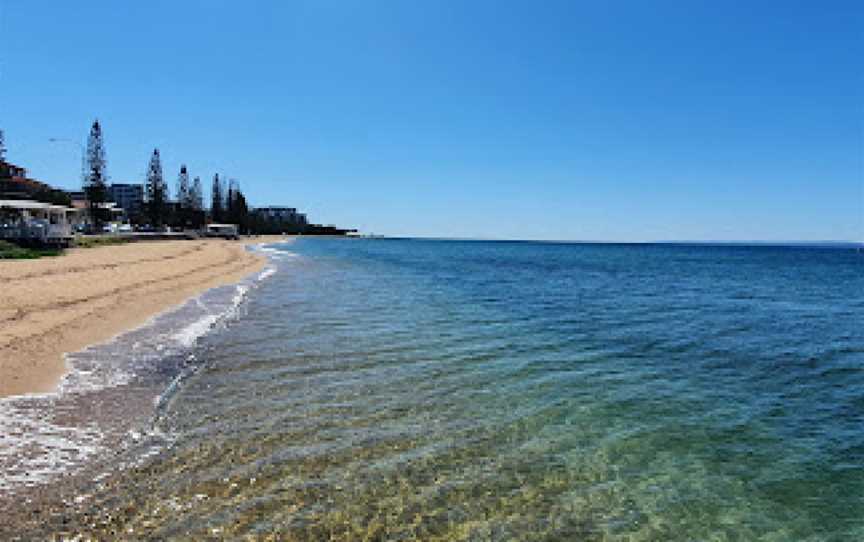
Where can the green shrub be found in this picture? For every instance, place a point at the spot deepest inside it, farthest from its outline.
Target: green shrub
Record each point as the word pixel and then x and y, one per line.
pixel 98 241
pixel 11 251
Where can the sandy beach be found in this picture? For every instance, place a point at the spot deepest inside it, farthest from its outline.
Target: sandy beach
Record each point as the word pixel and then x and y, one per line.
pixel 52 306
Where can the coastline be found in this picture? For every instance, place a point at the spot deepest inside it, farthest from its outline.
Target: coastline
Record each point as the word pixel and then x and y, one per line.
pixel 53 306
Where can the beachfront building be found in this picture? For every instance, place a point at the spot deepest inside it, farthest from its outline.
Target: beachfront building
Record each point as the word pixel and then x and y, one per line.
pixel 83 221
pixel 10 173
pixel 78 198
pixel 129 197
pixel 276 220
pixel 279 219
pixel 15 184
pixel 32 222
pixel 282 215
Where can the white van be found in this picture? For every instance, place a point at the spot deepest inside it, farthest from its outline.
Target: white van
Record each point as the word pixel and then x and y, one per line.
pixel 226 231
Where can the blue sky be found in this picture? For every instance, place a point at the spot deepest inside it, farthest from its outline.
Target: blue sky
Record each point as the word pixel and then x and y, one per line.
pixel 605 120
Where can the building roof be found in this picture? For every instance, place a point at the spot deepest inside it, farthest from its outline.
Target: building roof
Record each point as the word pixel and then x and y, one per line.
pixel 26 204
pixel 9 165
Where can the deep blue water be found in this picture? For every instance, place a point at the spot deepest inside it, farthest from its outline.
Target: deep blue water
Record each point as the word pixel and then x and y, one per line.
pixel 406 389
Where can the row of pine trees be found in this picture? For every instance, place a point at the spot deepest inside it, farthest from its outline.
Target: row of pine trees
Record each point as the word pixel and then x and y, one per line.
pixel 227 204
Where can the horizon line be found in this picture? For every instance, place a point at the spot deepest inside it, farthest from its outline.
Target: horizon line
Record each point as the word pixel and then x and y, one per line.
pixel 747 242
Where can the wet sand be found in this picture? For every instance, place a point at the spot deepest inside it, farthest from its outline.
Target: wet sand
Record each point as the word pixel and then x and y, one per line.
pixel 52 306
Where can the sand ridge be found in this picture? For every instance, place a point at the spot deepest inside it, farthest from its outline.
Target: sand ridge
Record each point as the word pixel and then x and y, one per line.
pixel 51 306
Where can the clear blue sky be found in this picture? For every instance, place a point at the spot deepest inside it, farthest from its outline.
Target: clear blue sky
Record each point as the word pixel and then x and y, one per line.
pixel 603 120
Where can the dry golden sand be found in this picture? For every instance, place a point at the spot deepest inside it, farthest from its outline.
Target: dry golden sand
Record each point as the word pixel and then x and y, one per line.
pixel 56 305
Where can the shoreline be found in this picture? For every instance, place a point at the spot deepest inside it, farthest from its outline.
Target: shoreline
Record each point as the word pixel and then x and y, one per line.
pixel 53 306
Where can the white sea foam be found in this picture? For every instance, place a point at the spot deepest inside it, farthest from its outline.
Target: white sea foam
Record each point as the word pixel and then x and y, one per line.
pixel 190 334
pixel 37 440
pixel 33 448
pixel 274 253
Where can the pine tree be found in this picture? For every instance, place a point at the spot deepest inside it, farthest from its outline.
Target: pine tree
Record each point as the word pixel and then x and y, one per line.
pixel 184 204
pixel 2 146
pixel 231 201
pixel 184 191
pixel 217 207
pixel 242 210
pixel 156 191
pixel 237 208
pixel 196 203
pixel 196 195
pixel 95 176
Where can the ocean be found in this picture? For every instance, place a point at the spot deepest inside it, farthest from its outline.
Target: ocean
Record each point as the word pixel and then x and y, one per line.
pixel 378 389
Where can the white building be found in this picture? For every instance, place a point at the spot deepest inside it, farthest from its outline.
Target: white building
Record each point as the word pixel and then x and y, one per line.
pixel 227 231
pixel 28 221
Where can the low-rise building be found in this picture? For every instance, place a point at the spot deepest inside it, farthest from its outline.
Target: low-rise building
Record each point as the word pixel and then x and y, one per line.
pixel 282 215
pixel 14 184
pixel 36 222
pixel 129 197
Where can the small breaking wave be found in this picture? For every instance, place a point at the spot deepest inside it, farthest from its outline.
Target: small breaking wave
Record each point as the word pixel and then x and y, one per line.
pixel 274 252
pixel 189 335
pixel 267 273
pixel 107 399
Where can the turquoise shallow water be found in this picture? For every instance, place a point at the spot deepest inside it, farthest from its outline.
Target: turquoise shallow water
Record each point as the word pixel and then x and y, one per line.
pixel 442 390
